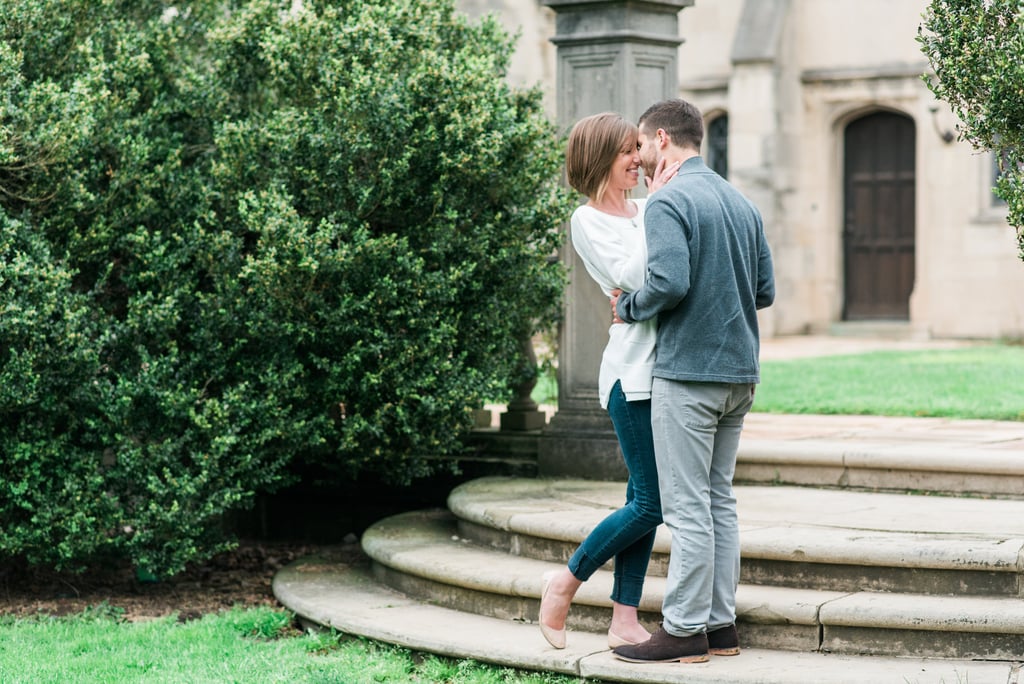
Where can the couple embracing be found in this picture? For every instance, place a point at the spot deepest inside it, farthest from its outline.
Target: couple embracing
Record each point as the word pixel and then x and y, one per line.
pixel 685 271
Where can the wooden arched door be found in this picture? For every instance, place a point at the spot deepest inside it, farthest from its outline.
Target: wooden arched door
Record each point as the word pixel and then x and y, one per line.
pixel 879 217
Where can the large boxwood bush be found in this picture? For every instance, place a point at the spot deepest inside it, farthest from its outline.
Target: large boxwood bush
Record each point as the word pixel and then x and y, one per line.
pixel 242 236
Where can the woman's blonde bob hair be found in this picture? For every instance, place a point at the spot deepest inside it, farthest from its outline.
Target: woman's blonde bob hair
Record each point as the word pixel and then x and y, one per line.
pixel 594 143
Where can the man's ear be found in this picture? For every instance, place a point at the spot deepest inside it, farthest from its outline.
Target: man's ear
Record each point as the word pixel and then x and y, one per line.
pixel 663 139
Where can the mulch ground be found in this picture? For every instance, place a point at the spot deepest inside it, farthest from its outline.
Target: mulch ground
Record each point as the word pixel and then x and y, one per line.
pixel 241 577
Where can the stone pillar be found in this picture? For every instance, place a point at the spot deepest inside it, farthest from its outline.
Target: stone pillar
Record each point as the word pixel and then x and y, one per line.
pixel 621 56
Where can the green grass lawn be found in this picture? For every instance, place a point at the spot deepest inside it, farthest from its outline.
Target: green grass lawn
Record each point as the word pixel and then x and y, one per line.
pixel 243 646
pixel 546 389
pixel 972 382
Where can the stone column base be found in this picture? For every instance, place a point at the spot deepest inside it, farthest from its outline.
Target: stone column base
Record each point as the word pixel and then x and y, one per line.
pixel 580 444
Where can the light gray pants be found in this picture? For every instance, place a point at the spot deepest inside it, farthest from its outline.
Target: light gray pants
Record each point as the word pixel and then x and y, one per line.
pixel 697 429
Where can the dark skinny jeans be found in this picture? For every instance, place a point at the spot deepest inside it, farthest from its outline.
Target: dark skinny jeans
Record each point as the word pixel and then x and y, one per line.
pixel 628 533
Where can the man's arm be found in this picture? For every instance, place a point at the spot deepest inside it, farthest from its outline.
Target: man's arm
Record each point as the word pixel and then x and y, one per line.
pixel 668 266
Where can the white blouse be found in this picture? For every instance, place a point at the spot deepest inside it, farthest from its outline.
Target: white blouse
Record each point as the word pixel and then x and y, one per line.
pixel 614 251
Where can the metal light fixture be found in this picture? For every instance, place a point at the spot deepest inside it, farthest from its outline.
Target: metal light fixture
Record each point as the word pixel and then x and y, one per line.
pixel 947 135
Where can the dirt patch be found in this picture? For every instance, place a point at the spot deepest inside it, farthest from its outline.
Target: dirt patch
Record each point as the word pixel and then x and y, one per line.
pixel 239 577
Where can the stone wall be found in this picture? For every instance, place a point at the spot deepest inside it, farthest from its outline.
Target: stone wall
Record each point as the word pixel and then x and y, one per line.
pixel 791 74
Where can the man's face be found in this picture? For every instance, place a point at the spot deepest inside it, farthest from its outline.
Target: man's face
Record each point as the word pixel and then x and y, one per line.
pixel 650 155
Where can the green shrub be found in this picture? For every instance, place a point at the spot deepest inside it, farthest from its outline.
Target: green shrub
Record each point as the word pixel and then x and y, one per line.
pixel 53 500
pixel 279 240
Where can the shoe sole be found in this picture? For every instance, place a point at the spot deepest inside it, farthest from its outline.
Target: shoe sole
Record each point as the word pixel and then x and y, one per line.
pixel 725 651
pixel 614 641
pixel 699 658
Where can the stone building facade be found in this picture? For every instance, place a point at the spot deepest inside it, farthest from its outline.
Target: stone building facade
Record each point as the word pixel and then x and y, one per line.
pixel 816 109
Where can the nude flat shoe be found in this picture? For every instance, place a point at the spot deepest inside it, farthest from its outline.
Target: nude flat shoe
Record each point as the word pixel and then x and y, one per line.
pixel 555 637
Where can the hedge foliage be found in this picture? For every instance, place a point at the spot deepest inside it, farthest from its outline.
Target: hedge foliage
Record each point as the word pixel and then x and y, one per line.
pixel 239 237
pixel 976 50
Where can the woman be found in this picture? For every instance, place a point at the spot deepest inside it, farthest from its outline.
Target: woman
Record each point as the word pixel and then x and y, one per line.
pixel 602 162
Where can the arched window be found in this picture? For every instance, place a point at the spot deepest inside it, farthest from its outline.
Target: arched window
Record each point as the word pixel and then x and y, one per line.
pixel 717 145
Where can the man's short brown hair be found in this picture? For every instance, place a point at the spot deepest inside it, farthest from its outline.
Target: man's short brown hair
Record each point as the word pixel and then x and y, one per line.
pixel 594 143
pixel 681 120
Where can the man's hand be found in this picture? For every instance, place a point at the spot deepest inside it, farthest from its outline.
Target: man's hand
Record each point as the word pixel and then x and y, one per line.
pixel 614 301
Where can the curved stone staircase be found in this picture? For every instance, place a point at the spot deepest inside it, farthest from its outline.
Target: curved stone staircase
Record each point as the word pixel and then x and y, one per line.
pixel 839 583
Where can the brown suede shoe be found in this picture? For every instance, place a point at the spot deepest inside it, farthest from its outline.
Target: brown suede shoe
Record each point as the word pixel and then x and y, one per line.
pixel 662 647
pixel 724 641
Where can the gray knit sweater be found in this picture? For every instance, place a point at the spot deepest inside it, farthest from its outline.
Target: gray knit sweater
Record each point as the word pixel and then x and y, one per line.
pixel 708 271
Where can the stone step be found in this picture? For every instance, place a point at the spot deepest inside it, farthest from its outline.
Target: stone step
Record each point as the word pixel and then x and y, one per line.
pixel 423 555
pixel 917 468
pixel 902 331
pixel 977 457
pixel 329 593
pixel 935 455
pixel 850 579
pixel 790 536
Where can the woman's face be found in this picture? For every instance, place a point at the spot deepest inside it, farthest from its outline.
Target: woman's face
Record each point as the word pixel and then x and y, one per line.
pixel 625 171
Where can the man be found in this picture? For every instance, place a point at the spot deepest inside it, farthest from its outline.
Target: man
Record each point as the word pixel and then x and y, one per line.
pixel 709 269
